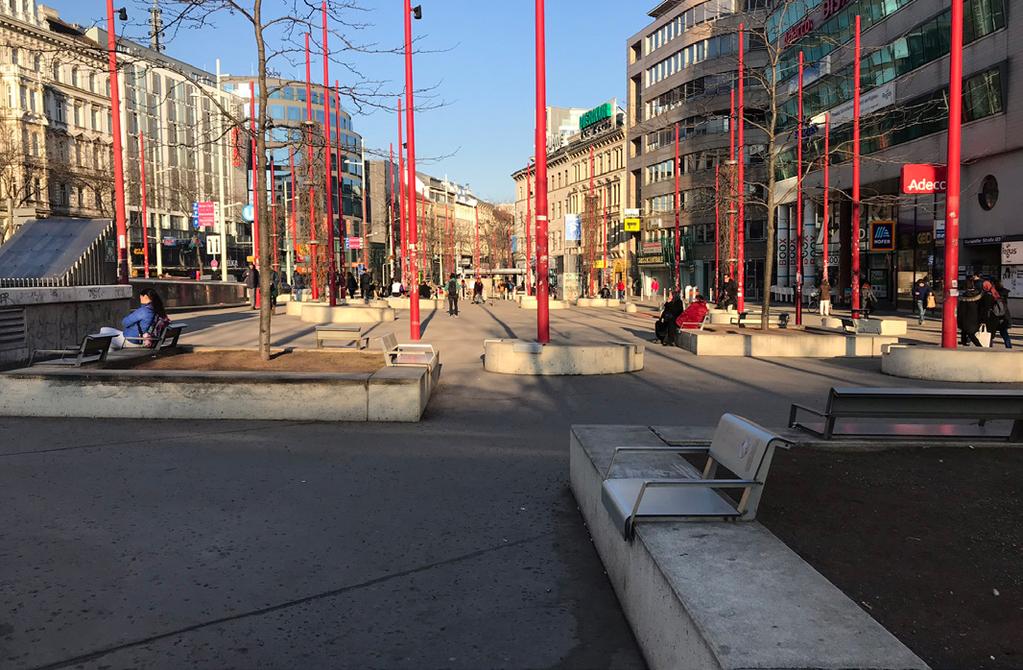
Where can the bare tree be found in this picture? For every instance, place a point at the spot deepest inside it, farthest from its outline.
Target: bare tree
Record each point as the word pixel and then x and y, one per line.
pixel 12 178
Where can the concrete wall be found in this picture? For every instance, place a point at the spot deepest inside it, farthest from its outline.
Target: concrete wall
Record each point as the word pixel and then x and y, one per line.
pixel 59 317
pixel 182 293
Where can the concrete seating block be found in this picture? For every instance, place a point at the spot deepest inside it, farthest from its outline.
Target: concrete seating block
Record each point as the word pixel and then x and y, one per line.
pixel 965 364
pixel 521 357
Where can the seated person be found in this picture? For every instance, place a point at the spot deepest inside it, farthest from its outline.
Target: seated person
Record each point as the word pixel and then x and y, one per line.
pixel 693 316
pixel 143 327
pixel 605 292
pixel 665 328
pixel 425 291
pixel 397 290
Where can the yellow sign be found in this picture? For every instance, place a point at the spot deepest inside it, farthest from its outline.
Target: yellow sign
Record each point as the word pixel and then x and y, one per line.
pixel 138 252
pixel 598 265
pixel 632 225
pixel 250 259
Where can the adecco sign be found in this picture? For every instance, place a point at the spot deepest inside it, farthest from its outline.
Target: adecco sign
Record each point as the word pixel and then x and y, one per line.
pixel 923 179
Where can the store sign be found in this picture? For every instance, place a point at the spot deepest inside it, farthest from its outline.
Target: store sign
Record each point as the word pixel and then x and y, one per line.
pixel 924 179
pixel 1012 253
pixel 596 115
pixel 657 259
pixel 870 102
pixel 939 230
pixel 573 228
pixel 882 236
pixel 982 241
pixel 353 243
pixel 598 264
pixel 632 224
pixel 824 11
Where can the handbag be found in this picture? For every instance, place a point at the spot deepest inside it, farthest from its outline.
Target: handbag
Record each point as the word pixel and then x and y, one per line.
pixel 931 302
pixel 983 336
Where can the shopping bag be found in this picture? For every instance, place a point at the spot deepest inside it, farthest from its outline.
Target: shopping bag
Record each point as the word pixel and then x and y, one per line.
pixel 931 302
pixel 984 337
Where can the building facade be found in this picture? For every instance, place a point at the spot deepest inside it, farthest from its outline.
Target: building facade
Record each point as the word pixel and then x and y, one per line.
pixel 55 139
pixel 586 170
pixel 681 72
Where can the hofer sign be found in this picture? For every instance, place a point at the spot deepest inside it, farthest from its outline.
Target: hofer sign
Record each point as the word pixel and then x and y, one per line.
pixel 923 179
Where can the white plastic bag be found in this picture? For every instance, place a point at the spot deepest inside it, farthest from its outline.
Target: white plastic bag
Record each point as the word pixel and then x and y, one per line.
pixel 983 336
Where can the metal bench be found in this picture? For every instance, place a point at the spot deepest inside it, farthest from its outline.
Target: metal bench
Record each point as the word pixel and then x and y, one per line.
pixel 903 404
pixel 386 343
pixel 779 320
pixel 350 335
pixel 693 325
pixel 93 349
pixel 419 355
pixel 738 445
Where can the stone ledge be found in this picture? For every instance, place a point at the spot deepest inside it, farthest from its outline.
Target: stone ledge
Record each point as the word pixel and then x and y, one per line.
pixel 967 364
pixel 15 297
pixel 716 595
pixel 792 344
pixel 521 357
pixel 312 312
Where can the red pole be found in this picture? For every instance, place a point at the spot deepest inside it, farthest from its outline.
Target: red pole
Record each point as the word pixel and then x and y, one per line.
pixel 273 216
pixel 731 186
pixel 402 214
pixel 740 180
pixel 391 202
pixel 799 201
pixel 145 215
pixel 329 196
pixel 543 326
pixel 411 125
pixel 294 208
pixel 120 222
pixel 955 118
pixel 676 168
pixel 856 178
pixel 255 163
pixel 477 260
pixel 339 160
pixel 827 188
pixel 313 242
pixel 529 216
pixel 593 218
pixel 717 231
pixel 603 273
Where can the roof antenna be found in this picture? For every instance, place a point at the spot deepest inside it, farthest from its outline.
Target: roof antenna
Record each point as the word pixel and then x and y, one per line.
pixel 156 27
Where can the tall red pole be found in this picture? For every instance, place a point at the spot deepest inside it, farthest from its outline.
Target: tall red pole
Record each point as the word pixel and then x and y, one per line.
pixel 717 230
pixel 593 218
pixel 543 326
pixel 273 217
pixel 339 161
pixel 477 259
pixel 732 190
pixel 390 203
pixel 856 178
pixel 313 241
pixel 740 180
pixel 414 326
pixel 799 200
pixel 329 196
pixel 676 168
pixel 827 191
pixel 294 208
pixel 529 216
pixel 144 214
pixel 955 118
pixel 255 163
pixel 603 272
pixel 402 213
pixel 120 222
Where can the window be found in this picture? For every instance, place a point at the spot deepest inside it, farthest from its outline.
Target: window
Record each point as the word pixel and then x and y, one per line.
pixel 35 144
pixel 92 82
pixel 74 76
pixel 56 71
pixel 659 172
pixel 14 55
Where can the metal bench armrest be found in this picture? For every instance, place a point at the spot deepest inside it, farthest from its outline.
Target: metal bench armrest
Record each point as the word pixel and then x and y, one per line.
pixel 703 483
pixel 680 449
pixel 794 409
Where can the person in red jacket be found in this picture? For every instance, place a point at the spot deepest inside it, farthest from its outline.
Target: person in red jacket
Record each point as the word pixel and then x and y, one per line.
pixel 694 314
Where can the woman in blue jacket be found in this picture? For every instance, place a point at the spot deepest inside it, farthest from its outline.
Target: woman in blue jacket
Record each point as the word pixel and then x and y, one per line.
pixel 135 326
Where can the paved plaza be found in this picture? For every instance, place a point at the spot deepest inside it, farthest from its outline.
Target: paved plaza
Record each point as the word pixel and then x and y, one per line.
pixel 451 543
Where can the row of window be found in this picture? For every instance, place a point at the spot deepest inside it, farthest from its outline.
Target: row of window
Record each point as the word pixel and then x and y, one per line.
pixel 708 49
pixel 837 30
pixel 703 233
pixel 702 13
pixel 88 80
pixel 710 85
pixel 923 44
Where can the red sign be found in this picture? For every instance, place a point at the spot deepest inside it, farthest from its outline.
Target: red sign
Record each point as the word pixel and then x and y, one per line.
pixel 824 11
pixel 923 179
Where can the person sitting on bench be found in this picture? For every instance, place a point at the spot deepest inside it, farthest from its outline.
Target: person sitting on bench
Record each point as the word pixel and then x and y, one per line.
pixel 665 328
pixel 694 314
pixel 144 326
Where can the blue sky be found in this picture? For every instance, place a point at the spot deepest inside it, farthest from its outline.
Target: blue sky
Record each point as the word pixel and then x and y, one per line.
pixel 480 61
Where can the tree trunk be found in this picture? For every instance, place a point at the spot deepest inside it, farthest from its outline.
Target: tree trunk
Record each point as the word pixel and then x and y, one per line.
pixel 259 187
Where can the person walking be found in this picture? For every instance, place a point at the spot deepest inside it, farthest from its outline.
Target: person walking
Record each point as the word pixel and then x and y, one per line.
pixel 824 306
pixel 621 289
pixel 366 286
pixel 994 307
pixel 655 287
pixel 968 314
pixel 477 292
pixel 452 290
pixel 351 284
pixel 252 284
pixel 869 299
pixel 922 297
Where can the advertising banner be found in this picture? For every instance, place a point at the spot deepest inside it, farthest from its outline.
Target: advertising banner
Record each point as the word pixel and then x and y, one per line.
pixel 573 228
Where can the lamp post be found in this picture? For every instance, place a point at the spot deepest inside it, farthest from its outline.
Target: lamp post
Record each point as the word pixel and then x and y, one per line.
pixel 740 180
pixel 120 222
pixel 678 230
pixel 955 117
pixel 799 200
pixel 402 211
pixel 144 214
pixel 543 326
pixel 410 124
pixel 855 242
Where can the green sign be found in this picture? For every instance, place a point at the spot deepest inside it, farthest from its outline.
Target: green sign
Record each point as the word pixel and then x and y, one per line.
pixel 596 115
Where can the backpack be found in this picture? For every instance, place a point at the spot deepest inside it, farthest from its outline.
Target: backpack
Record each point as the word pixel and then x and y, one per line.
pixel 998 309
pixel 151 338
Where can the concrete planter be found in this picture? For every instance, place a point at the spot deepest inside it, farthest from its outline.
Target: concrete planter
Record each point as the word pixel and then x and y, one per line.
pixel 390 394
pixel 519 357
pixel 598 302
pixel 968 364
pixel 318 312
pixel 775 345
pixel 529 302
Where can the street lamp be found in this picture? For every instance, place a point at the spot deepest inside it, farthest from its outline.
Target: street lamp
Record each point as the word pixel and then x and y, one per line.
pixel 120 222
pixel 410 125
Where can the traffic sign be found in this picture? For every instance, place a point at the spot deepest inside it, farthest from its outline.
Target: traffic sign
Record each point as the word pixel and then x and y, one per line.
pixel 632 224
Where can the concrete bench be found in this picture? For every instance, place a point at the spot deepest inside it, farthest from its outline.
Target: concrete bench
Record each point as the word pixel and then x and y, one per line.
pixel 748 320
pixel 349 335
pixel 908 404
pixel 419 355
pixel 93 349
pixel 740 446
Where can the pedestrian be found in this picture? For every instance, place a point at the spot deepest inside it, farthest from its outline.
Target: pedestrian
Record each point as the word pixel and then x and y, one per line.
pixel 464 288
pixel 453 295
pixel 621 289
pixel 824 307
pixel 397 290
pixel 729 293
pixel 868 299
pixel 665 328
pixel 923 298
pixel 968 314
pixel 424 290
pixel 366 286
pixel 477 292
pixel 655 287
pixel 144 326
pixel 275 280
pixel 511 289
pixel 252 284
pixel 605 292
pixel 995 309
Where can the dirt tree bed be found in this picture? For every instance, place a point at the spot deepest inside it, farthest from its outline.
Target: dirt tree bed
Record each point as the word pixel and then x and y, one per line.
pixel 249 361
pixel 928 541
